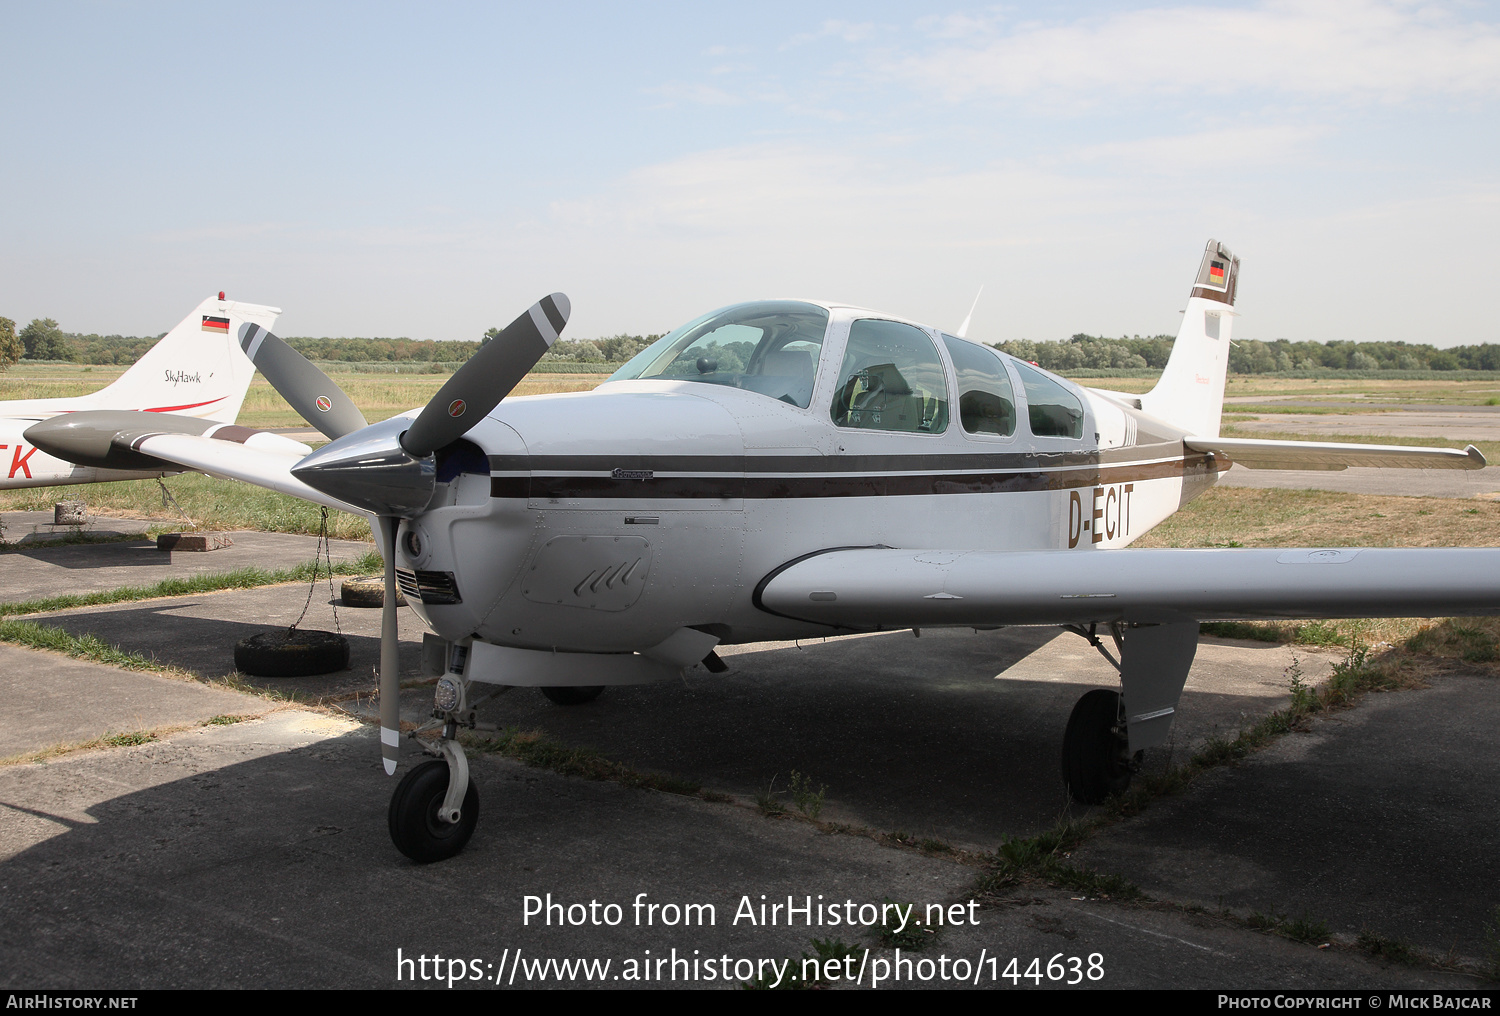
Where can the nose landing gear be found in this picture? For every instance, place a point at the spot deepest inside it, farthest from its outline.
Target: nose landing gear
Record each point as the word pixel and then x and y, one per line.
pixel 419 827
pixel 436 806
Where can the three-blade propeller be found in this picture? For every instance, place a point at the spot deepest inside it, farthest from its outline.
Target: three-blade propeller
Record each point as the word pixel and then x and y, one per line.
pixel 388 467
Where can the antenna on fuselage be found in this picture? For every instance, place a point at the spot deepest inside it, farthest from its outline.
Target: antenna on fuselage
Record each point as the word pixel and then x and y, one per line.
pixel 963 329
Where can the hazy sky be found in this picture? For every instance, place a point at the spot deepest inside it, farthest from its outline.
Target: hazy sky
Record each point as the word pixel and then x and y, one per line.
pixel 430 170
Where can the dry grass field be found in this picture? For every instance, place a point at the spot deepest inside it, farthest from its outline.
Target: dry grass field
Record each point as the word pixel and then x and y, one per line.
pixel 379 396
pixel 1360 394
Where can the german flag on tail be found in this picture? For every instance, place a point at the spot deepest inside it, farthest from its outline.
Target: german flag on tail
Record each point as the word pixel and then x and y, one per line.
pixel 217 325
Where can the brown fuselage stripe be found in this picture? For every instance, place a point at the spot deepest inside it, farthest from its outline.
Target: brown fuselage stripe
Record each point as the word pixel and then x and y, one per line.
pixel 837 485
pixel 822 464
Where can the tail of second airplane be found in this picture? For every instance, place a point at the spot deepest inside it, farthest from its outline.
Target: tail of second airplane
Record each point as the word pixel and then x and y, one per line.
pixel 1190 392
pixel 197 369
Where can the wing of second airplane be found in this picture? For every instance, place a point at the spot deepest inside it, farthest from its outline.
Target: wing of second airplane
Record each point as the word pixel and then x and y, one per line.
pixel 1329 455
pixel 124 439
pixel 872 588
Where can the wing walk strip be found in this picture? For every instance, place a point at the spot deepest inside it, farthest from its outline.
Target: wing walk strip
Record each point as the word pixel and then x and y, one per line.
pixel 780 482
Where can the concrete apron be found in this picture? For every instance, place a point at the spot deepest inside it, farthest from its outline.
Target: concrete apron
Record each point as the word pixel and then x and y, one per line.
pixel 256 855
pixel 954 736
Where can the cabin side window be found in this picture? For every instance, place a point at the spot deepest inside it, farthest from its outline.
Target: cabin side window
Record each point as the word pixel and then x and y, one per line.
pixel 891 380
pixel 986 403
pixel 1053 410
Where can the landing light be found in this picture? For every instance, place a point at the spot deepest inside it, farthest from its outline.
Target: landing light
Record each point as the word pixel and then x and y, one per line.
pixel 447 696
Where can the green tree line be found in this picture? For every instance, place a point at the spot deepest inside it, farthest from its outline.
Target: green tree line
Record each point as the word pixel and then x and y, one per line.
pixel 1253 356
pixel 43 339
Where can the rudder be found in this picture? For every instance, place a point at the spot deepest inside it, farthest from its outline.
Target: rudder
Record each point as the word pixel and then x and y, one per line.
pixel 1190 392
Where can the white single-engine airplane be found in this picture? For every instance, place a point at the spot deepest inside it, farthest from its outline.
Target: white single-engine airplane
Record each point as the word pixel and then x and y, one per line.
pixel 194 380
pixel 788 469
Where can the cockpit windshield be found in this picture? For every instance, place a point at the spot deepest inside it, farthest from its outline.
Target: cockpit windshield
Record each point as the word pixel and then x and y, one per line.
pixel 771 347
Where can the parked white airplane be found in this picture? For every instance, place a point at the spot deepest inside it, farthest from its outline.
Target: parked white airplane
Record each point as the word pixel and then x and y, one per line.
pixel 194 379
pixel 788 469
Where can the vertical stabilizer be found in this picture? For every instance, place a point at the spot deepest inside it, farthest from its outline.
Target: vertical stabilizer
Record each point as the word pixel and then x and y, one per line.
pixel 197 369
pixel 1190 393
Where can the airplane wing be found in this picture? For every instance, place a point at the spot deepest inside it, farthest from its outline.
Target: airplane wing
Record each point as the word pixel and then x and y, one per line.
pixel 271 469
pixel 1332 456
pixel 132 440
pixel 873 588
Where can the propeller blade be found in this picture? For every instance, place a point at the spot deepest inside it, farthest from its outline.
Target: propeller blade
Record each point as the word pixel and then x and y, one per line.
pixel 478 386
pixel 390 655
pixel 306 388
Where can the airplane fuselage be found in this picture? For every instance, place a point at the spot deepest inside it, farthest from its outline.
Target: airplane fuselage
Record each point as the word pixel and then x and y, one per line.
pixel 610 519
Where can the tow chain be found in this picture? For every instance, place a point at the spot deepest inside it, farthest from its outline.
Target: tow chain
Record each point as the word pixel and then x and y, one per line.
pixel 325 551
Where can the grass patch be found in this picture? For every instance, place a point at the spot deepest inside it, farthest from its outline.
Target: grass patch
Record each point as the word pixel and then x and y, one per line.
pixel 225 720
pixel 129 740
pixel 1319 518
pixel 82 647
pixel 807 800
pixel 534 749
pixel 766 801
pixel 1471 639
pixel 240 578
pixel 1299 929
pixel 212 504
pixel 912 937
pixel 73 539
pixel 1045 857
pixel 1393 950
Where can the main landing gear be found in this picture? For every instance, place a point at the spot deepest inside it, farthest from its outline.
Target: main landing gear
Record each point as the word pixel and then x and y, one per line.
pixel 1096 758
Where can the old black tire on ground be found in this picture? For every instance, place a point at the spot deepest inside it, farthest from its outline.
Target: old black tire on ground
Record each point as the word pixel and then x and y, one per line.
pixel 298 654
pixel 571 696
pixel 415 827
pixel 366 591
pixel 1096 760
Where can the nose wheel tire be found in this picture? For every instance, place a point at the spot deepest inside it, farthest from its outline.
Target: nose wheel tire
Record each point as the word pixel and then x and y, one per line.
pixel 1096 759
pixel 415 827
pixel 573 696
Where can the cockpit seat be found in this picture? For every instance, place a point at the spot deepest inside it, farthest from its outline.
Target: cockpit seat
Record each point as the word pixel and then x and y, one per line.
pixel 791 372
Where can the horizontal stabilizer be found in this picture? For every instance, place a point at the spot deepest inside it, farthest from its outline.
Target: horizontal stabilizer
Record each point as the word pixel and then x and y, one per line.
pixel 866 589
pixel 1332 456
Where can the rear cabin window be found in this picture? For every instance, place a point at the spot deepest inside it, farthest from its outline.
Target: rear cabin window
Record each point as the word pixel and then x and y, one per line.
pixel 891 380
pixel 1054 411
pixel 986 403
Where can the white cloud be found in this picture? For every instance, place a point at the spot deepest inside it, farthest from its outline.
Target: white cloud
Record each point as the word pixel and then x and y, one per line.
pixel 1344 49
